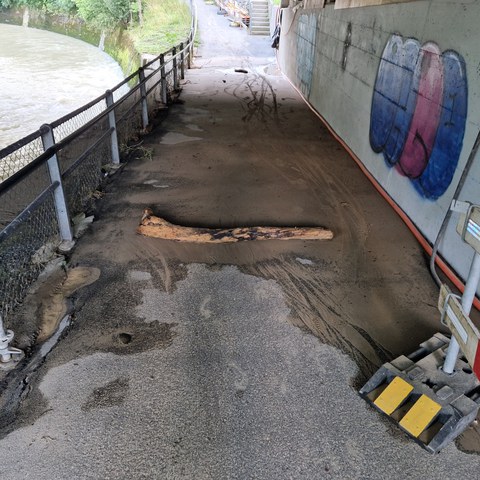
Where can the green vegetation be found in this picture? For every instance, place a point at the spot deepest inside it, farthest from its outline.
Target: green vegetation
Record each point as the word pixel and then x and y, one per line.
pixel 103 14
pixel 166 23
pixel 152 26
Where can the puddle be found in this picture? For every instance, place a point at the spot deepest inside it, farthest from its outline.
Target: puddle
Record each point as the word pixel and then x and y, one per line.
pixel 304 261
pixel 172 138
pixel 113 394
pixel 54 307
pixel 139 276
pixel 154 183
pixel 52 341
pixel 272 70
pixel 125 338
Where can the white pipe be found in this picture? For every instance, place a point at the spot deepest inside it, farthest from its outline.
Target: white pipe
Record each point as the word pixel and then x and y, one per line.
pixel 6 337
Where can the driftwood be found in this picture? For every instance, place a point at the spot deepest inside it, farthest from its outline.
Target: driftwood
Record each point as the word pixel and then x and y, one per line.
pixel 152 226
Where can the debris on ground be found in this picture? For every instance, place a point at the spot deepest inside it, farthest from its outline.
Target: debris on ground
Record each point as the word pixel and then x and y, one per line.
pixel 157 227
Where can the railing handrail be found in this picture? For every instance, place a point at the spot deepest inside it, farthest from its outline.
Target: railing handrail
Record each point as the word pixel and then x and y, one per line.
pixel 49 176
pixel 8 150
pixel 19 144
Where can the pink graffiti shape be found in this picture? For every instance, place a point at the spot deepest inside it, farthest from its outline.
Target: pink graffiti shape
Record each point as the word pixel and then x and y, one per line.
pixel 422 131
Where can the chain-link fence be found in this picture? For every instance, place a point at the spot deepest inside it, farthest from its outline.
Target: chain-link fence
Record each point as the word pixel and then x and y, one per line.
pixel 51 175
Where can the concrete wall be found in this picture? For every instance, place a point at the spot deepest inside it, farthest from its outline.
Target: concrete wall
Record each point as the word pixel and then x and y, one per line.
pixel 400 85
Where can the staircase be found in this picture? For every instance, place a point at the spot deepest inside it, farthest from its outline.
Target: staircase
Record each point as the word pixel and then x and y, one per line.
pixel 259 18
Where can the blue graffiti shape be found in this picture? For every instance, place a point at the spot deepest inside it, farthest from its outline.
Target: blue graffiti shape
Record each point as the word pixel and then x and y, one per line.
pixel 394 98
pixel 449 140
pixel 411 82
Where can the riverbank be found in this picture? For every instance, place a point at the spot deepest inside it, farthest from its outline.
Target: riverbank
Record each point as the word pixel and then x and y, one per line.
pixel 166 23
pixel 59 73
pixel 117 44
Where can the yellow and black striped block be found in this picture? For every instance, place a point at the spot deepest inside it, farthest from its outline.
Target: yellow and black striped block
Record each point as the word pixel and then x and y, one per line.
pixel 420 413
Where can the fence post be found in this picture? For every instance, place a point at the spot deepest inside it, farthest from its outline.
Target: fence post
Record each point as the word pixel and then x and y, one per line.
pixel 163 79
pixel 112 123
pixel 175 70
pixel 143 92
pixel 190 53
pixel 61 208
pixel 182 61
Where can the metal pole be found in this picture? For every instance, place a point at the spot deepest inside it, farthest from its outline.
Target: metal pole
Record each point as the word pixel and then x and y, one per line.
pixel 182 61
pixel 175 71
pixel 189 57
pixel 467 301
pixel 143 92
pixel 163 78
pixel 61 208
pixel 112 123
pixel 190 53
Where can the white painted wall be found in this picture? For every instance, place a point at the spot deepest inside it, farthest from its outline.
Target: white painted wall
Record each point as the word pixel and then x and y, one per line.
pixel 343 96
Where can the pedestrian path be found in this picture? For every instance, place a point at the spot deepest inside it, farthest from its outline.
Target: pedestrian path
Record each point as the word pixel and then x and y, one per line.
pixel 233 361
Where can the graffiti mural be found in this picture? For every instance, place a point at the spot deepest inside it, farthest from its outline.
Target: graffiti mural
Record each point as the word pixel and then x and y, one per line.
pixel 419 111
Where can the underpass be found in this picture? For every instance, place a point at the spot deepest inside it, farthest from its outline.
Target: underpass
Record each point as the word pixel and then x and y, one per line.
pixel 242 360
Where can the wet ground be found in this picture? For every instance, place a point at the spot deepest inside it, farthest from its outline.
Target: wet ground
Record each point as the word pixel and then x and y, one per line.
pixel 234 360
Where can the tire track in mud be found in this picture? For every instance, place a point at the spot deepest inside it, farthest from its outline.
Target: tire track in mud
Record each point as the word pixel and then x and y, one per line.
pixel 261 104
pixel 350 227
pixel 317 308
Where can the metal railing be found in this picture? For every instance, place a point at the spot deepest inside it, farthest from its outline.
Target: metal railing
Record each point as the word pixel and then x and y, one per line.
pixel 51 175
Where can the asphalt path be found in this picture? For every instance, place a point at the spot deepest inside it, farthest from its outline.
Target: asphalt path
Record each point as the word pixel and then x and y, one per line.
pixel 182 363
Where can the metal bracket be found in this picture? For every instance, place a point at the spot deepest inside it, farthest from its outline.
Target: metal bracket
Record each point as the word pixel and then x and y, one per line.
pixel 443 311
pixel 468 226
pixel 9 356
pixel 459 206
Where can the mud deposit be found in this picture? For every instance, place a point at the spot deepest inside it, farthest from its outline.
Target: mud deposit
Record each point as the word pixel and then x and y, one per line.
pixel 264 159
pixel 54 307
pixel 206 329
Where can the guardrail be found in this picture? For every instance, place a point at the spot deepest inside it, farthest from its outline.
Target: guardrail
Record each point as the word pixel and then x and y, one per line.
pixel 49 176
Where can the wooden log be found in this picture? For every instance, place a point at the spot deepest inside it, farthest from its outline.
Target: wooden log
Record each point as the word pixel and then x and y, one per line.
pixel 157 227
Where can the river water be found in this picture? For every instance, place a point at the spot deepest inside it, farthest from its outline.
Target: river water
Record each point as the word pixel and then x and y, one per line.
pixel 45 75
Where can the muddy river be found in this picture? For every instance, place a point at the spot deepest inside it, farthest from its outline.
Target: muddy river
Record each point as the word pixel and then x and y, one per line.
pixel 44 76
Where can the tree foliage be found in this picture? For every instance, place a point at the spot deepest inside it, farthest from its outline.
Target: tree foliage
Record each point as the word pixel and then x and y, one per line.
pixel 102 14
